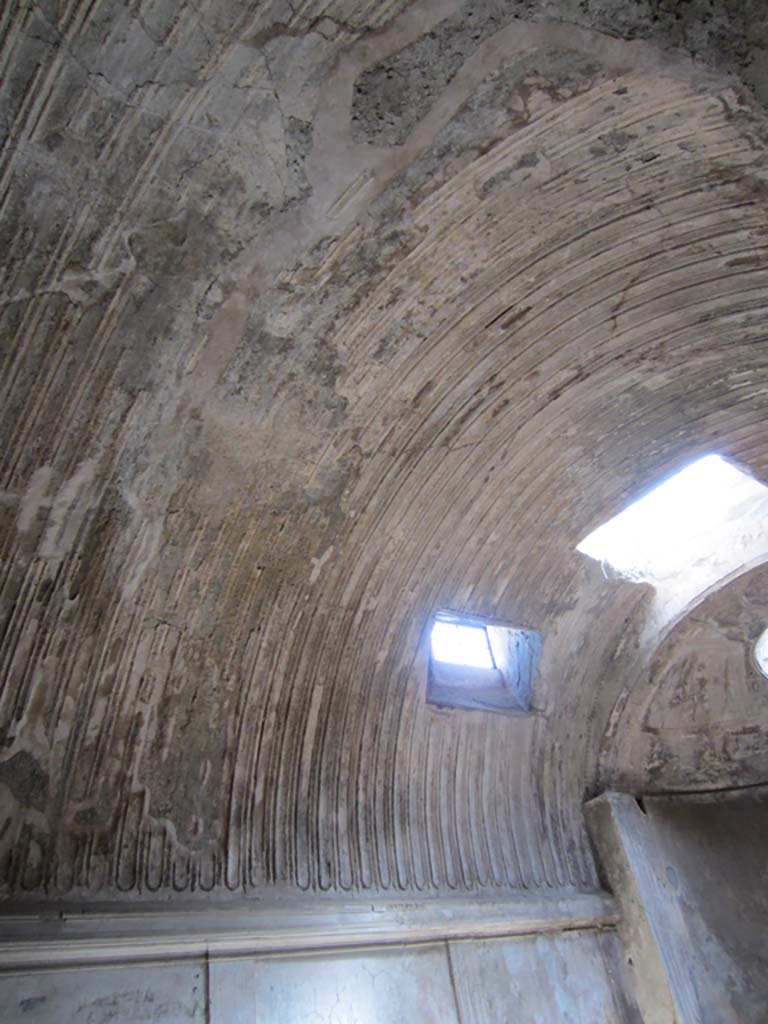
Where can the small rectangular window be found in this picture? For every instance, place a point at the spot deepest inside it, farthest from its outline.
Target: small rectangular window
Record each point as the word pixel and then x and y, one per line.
pixel 481 665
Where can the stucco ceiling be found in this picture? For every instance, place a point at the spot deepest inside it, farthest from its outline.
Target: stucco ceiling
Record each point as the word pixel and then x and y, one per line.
pixel 318 319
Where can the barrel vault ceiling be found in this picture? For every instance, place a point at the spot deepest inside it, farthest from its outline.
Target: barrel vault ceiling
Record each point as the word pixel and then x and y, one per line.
pixel 316 318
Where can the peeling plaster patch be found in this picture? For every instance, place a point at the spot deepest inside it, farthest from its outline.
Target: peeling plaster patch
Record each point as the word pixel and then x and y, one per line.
pixel 318 563
pixel 143 557
pixel 69 508
pixel 34 498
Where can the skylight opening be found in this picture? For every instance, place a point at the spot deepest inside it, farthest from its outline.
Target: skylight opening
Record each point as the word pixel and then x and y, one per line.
pixel 695 522
pixel 459 644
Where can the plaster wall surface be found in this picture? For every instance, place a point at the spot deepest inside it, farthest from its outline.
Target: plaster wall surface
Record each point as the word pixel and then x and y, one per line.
pixel 169 994
pixel 570 978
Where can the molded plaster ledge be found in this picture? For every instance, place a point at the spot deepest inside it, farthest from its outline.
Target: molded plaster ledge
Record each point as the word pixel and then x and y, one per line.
pixel 122 933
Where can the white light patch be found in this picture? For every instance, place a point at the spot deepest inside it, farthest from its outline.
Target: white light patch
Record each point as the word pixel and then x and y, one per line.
pixel 458 644
pixel 761 652
pixel 679 523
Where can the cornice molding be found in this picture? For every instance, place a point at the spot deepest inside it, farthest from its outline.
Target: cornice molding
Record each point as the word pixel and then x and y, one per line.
pixel 102 936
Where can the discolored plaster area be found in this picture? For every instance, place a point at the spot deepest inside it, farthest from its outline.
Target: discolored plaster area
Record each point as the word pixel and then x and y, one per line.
pixel 279 383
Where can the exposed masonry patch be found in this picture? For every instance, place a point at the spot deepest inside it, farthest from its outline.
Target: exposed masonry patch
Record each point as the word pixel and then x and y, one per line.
pixel 497 108
pixel 392 96
pixel 298 143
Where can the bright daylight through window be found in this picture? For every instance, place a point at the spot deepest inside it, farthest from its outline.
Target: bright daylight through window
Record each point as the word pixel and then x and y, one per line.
pixel 702 516
pixel 458 644
pixel 761 652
